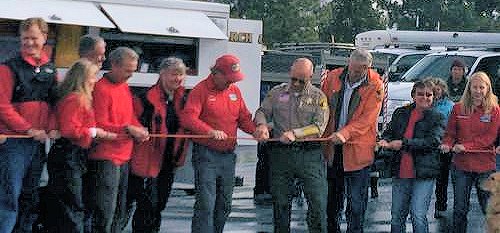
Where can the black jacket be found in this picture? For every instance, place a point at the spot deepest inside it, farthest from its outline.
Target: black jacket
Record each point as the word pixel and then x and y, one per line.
pixel 424 146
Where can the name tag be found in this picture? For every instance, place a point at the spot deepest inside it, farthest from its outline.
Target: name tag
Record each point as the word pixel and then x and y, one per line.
pixel 233 97
pixel 284 98
pixel 485 118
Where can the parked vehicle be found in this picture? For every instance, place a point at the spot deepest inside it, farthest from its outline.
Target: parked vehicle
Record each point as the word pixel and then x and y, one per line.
pixel 438 65
pixel 396 38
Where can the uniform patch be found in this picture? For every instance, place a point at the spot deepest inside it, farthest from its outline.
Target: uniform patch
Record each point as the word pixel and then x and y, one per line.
pixel 323 103
pixel 380 94
pixel 211 98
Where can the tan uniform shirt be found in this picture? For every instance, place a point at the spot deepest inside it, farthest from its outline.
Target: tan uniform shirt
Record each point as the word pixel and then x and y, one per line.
pixel 305 112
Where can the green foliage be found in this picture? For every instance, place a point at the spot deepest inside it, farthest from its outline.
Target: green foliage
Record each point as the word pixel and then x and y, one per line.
pixel 350 17
pixel 305 21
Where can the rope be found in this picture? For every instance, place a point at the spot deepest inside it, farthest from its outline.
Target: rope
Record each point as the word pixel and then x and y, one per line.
pixel 190 136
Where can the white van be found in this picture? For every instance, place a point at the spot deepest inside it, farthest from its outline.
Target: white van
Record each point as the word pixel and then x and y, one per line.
pixel 438 65
pixel 394 62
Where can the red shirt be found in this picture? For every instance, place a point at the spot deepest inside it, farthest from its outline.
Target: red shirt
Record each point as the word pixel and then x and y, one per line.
pixel 207 109
pixel 18 118
pixel 478 131
pixel 74 120
pixel 406 168
pixel 113 110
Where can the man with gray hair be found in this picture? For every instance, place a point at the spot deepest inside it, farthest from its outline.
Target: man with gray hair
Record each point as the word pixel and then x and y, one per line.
pixel 93 48
pixel 355 98
pixel 153 162
pixel 108 161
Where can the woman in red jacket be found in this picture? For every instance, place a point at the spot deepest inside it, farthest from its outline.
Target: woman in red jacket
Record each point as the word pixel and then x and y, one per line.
pixel 67 159
pixel 471 134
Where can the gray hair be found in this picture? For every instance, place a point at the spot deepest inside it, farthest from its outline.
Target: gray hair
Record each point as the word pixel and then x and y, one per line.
pixel 361 55
pixel 173 63
pixel 440 83
pixel 88 43
pixel 120 54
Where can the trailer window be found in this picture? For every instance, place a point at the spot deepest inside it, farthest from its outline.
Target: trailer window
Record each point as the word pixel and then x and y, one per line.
pixel 153 49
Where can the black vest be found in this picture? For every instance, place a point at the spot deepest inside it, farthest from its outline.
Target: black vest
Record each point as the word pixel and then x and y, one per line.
pixel 32 83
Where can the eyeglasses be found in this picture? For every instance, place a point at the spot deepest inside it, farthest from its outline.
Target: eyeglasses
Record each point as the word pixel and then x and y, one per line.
pixel 426 94
pixel 300 81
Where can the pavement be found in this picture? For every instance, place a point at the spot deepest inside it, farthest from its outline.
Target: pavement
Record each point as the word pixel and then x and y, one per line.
pixel 246 216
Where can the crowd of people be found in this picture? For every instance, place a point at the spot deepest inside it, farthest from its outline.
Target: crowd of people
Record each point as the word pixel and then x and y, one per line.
pixel 115 152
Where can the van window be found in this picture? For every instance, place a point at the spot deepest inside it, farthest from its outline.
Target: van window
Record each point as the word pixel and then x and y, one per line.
pixel 491 66
pixel 435 66
pixel 153 49
pixel 403 65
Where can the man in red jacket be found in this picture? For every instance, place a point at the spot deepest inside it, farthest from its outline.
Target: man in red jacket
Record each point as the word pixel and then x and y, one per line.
pixel 215 107
pixel 108 161
pixel 153 162
pixel 27 91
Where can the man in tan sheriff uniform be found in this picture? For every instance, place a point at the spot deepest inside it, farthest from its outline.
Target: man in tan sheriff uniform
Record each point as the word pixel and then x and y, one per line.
pixel 297 110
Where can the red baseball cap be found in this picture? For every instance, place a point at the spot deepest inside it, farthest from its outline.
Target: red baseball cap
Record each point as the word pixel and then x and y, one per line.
pixel 230 66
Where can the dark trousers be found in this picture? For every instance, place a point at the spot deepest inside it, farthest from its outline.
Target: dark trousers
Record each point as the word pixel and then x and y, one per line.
pixel 20 169
pixel 151 196
pixel 108 190
pixel 462 186
pixel 262 171
pixel 442 182
pixel 67 168
pixel 352 186
pixel 307 164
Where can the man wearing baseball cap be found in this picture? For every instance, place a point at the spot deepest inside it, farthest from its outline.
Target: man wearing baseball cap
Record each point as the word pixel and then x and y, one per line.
pixel 215 107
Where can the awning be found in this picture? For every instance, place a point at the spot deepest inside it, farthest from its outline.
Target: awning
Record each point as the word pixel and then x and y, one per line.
pixel 55 11
pixel 161 21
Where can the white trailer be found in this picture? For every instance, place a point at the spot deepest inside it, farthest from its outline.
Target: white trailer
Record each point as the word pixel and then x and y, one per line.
pixel 404 39
pixel 197 32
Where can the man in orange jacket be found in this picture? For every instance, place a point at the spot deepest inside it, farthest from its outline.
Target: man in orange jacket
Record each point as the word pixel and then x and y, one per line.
pixel 355 98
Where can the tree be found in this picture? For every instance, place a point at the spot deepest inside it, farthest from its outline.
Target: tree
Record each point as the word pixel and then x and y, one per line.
pixel 350 17
pixel 284 20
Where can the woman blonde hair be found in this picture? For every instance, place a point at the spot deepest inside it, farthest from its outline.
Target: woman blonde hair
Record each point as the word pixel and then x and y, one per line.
pixel 490 101
pixel 75 79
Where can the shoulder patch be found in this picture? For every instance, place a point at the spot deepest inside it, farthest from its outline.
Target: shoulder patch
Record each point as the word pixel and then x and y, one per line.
pixel 323 103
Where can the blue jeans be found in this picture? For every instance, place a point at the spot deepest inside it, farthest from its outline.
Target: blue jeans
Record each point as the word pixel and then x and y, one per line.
pixel 462 186
pixel 414 196
pixel 352 186
pixel 213 176
pixel 498 162
pixel 20 170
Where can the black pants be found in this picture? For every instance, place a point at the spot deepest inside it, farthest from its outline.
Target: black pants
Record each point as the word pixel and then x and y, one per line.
pixel 335 204
pixel 262 172
pixel 67 169
pixel 151 195
pixel 442 182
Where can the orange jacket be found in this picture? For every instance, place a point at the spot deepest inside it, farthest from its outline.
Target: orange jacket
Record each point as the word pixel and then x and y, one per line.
pixel 360 131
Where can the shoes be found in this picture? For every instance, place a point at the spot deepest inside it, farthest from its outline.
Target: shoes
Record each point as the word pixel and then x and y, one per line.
pixel 439 213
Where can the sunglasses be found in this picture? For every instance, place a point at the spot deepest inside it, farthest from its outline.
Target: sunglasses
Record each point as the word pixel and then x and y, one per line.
pixel 300 81
pixel 426 94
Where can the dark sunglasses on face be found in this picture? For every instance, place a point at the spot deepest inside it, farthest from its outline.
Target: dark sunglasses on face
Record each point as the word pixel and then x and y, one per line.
pixel 426 94
pixel 301 81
